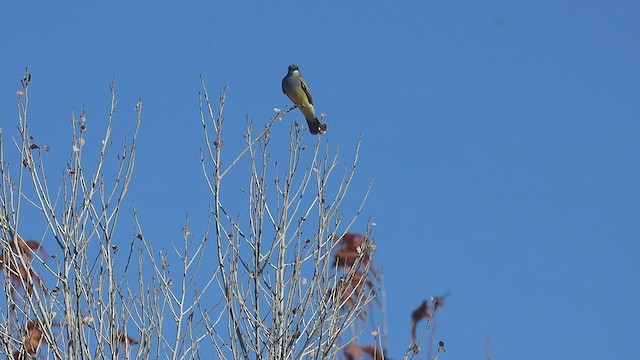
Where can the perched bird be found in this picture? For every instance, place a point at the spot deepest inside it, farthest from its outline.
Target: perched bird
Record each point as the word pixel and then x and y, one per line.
pixel 296 88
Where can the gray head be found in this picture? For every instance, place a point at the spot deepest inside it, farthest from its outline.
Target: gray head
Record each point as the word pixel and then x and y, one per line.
pixel 292 68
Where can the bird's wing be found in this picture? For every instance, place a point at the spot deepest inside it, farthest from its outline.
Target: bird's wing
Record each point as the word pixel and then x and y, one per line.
pixel 306 90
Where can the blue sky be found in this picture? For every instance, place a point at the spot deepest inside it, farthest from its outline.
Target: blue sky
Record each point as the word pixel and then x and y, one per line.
pixel 503 137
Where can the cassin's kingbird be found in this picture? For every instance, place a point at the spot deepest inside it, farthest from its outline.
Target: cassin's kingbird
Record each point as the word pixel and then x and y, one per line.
pixel 296 88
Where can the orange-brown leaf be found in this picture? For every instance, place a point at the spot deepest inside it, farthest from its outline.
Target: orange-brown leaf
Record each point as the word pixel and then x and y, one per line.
pixel 374 352
pixel 27 247
pixel 418 314
pixel 126 340
pixel 353 351
pixel 33 338
pixel 351 240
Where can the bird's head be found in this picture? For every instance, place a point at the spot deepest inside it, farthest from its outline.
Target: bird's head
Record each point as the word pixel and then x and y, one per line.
pixel 292 68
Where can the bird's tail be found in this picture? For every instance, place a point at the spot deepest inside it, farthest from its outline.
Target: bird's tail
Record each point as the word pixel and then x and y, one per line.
pixel 315 126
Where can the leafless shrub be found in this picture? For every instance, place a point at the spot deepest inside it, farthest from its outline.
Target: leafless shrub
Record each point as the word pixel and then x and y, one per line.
pixel 260 282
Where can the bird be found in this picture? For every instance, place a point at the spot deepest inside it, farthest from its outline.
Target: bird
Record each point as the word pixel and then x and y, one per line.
pixel 297 90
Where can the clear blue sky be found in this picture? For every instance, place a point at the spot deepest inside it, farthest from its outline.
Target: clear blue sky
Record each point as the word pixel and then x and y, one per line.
pixel 504 138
